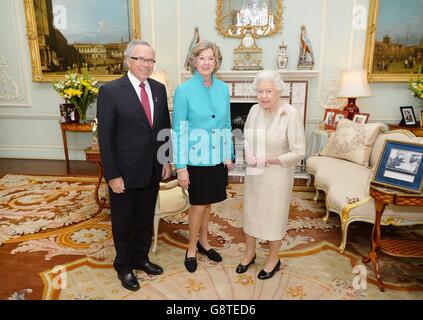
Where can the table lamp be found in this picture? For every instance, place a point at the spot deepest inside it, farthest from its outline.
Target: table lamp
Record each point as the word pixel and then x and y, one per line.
pixel 353 85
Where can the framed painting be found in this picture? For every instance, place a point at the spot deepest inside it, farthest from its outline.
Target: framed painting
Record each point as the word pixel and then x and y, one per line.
pixel 393 43
pixel 400 166
pixel 67 33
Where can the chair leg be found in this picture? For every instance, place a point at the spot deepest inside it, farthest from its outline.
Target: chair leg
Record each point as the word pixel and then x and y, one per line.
pixel 316 196
pixel 344 231
pixel 156 231
pixel 326 217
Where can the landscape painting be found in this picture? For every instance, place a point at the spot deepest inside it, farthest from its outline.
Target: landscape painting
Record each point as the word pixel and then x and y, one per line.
pixel 394 46
pixel 65 34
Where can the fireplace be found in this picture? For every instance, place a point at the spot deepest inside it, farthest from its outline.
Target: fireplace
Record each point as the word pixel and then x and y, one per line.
pixel 243 97
pixel 239 113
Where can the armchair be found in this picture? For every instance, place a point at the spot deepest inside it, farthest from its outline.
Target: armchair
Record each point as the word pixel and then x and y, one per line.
pixel 171 200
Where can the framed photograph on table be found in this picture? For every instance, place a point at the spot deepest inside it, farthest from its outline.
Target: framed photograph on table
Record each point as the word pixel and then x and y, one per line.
pixel 332 117
pixel 400 166
pixel 329 117
pixel 421 118
pixel 63 33
pixel 361 118
pixel 408 117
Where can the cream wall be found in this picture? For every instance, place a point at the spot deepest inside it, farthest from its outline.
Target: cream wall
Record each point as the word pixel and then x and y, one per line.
pixel 29 111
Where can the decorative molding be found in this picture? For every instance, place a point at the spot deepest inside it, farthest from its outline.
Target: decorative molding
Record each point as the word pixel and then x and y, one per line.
pixel 23 98
pixel 19 116
pixel 9 90
pixel 153 23
pixel 178 35
pixel 327 96
pixel 40 152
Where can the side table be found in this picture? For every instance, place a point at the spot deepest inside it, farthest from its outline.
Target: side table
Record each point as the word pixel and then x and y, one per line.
pixel 93 155
pixel 318 140
pixel 73 127
pixel 417 131
pixel 384 196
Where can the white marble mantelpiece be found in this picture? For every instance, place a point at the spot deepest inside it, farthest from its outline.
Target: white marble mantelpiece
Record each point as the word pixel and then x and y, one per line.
pixel 248 76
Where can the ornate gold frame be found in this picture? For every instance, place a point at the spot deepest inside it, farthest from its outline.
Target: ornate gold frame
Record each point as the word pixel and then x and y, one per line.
pixel 370 47
pixel 220 17
pixel 31 33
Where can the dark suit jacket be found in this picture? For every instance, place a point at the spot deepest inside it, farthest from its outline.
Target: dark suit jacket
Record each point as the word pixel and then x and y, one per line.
pixel 128 145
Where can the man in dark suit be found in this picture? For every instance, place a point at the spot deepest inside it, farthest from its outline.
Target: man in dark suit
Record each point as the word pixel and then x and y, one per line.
pixel 131 111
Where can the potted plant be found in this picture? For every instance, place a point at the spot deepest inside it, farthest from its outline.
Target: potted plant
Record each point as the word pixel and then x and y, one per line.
pixel 78 89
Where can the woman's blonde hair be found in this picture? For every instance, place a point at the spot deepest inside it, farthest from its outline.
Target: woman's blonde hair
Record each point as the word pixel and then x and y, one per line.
pixel 200 47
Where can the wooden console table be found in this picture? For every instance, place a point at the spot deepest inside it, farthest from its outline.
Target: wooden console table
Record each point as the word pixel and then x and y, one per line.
pixel 93 155
pixel 73 127
pixel 417 131
pixel 399 247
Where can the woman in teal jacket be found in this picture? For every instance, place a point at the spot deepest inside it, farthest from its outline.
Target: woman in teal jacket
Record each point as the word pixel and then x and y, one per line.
pixel 202 143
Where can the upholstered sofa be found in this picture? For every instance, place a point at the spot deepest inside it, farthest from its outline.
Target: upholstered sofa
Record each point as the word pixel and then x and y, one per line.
pixel 346 183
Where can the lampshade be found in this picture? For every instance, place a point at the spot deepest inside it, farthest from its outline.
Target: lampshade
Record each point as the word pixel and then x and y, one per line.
pixel 354 84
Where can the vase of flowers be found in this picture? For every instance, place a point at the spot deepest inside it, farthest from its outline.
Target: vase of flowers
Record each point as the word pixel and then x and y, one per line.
pixel 416 87
pixel 78 89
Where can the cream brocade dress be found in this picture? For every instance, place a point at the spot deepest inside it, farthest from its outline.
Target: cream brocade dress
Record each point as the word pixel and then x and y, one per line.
pixel 267 191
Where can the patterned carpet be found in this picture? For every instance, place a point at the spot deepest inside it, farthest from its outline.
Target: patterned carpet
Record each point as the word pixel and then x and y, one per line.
pixel 74 262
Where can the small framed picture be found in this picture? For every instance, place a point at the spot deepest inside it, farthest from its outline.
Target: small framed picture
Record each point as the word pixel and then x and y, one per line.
pixel 400 166
pixel 408 116
pixel 68 113
pixel 361 118
pixel 332 117
pixel 421 118
pixel 329 117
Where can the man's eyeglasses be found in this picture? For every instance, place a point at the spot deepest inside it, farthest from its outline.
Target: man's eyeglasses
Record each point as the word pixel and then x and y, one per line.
pixel 143 60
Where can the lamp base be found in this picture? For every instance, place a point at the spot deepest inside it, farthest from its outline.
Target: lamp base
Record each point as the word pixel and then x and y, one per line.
pixel 352 108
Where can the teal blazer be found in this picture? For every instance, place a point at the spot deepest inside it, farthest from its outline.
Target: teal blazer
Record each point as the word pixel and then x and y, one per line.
pixel 201 123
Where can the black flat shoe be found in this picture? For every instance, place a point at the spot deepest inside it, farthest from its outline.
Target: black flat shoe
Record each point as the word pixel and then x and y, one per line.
pixel 211 253
pixel 129 281
pixel 190 263
pixel 241 268
pixel 149 268
pixel 263 275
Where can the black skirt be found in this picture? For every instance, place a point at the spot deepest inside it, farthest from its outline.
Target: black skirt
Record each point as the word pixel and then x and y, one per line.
pixel 207 184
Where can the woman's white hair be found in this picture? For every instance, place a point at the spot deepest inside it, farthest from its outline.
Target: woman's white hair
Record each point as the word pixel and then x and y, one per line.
pixel 269 75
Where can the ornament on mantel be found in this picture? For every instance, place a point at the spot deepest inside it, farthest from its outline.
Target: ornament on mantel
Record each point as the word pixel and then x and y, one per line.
pixel 194 41
pixel 282 60
pixel 306 58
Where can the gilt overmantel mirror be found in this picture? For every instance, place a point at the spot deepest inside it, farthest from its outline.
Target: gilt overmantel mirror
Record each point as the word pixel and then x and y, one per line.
pixel 262 17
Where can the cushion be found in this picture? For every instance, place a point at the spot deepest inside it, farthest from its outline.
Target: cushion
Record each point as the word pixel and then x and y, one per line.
pixel 353 141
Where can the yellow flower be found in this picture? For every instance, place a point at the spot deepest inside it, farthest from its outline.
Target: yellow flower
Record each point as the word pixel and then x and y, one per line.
pixel 79 89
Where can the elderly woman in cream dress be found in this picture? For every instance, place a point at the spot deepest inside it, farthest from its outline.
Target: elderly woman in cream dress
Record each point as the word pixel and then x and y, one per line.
pixel 274 143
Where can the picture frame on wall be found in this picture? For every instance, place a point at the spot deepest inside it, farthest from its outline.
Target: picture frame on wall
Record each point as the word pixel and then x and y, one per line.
pixel 360 118
pixel 66 34
pixel 408 116
pixel 392 41
pixel 400 166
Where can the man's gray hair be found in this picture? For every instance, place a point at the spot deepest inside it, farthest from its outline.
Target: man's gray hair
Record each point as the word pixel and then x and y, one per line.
pixel 132 45
pixel 269 75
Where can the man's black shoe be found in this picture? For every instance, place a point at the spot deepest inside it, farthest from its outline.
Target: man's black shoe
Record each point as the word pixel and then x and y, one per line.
pixel 149 268
pixel 129 281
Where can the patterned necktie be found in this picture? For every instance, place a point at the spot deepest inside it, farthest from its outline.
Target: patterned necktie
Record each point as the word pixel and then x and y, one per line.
pixel 145 102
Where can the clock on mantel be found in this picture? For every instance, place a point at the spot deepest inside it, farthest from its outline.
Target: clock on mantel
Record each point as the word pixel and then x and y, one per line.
pixel 248 56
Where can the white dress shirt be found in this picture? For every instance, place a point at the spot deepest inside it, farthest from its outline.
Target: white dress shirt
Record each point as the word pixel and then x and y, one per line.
pixel 136 84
